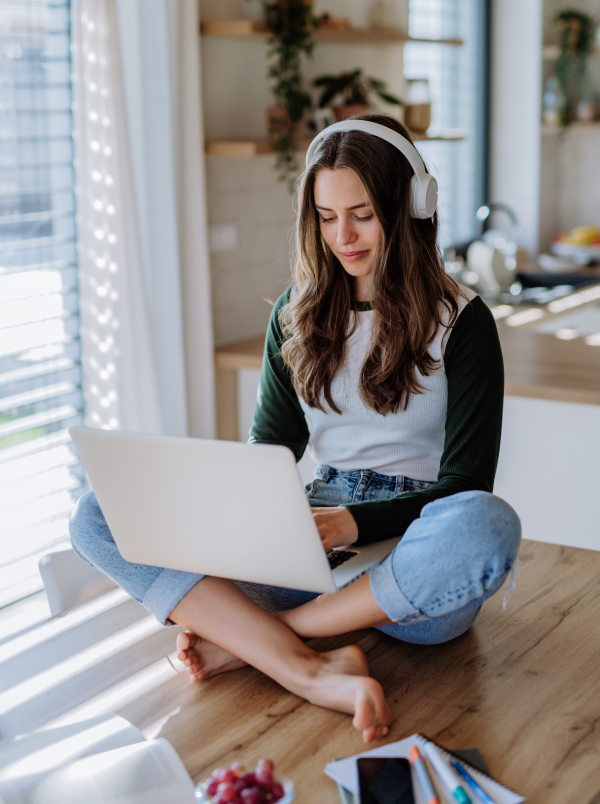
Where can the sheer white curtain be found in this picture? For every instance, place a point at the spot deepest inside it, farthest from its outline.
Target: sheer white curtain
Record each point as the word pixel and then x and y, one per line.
pixel 142 226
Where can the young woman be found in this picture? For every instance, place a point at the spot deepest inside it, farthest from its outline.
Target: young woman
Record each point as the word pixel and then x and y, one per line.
pixel 392 375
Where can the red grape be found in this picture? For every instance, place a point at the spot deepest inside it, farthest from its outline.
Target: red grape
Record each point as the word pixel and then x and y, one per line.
pixel 264 776
pixel 236 785
pixel 252 795
pixel 226 792
pixel 229 776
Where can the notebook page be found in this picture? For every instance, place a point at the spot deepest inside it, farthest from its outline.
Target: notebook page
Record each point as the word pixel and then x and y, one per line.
pixel 344 772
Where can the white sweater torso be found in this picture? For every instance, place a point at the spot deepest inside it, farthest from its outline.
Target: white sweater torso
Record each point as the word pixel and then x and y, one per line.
pixel 409 442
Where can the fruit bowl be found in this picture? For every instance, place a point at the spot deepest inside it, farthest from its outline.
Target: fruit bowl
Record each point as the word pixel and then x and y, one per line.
pixel 257 793
pixel 581 253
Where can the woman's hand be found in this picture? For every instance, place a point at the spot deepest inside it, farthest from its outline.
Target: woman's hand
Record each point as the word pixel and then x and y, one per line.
pixel 336 525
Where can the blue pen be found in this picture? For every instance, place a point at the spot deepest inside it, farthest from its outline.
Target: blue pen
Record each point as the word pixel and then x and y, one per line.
pixel 467 777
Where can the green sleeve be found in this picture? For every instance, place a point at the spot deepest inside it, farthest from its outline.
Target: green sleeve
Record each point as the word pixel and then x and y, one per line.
pixel 475 372
pixel 278 417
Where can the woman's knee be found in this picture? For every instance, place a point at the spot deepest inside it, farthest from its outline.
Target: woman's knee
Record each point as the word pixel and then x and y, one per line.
pixel 459 552
pixel 479 521
pixel 435 630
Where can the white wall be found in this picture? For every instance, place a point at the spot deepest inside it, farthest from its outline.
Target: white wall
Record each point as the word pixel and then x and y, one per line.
pixel 516 71
pixel 549 472
pixel 570 181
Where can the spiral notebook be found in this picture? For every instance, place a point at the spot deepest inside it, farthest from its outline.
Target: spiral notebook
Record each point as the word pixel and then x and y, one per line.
pixel 345 773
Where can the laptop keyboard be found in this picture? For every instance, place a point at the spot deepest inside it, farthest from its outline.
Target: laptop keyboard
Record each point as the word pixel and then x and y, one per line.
pixel 337 557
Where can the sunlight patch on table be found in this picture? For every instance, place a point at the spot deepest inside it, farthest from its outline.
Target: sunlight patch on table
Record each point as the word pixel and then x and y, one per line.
pixel 59 625
pixel 88 658
pixel 121 694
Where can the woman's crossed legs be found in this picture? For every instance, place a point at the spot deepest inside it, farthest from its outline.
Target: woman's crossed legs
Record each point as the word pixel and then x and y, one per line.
pixel 429 590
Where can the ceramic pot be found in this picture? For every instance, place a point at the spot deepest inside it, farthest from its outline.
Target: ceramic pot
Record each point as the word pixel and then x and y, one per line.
pixel 344 112
pixel 417 116
pixel 278 120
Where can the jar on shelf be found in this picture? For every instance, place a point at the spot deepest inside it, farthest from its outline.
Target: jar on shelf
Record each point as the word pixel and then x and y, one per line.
pixel 554 102
pixel 417 108
pixel 587 107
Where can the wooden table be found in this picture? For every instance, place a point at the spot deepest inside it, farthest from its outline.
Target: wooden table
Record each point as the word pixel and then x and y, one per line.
pixel 522 685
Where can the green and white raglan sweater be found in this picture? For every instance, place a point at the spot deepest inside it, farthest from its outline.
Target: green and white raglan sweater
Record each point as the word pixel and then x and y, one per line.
pixel 449 434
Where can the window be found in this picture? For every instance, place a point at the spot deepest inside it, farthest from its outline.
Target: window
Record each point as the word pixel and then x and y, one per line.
pixel 457 81
pixel 40 372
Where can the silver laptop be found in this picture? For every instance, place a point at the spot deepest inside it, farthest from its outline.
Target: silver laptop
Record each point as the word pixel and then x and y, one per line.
pixel 215 507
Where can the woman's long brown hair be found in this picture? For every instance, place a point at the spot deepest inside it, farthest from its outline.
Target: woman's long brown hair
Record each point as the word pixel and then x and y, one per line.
pixel 408 281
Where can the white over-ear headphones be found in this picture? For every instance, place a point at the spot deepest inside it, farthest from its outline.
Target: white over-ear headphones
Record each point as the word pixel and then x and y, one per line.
pixel 423 185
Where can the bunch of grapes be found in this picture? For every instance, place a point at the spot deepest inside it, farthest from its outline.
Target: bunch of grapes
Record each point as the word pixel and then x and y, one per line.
pixel 237 785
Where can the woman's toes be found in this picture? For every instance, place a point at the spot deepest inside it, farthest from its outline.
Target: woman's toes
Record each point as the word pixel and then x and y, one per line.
pixel 371 712
pixel 187 640
pixel 369 734
pixel 364 713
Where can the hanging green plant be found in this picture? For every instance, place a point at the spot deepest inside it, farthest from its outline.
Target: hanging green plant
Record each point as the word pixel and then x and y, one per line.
pixel 576 43
pixel 290 23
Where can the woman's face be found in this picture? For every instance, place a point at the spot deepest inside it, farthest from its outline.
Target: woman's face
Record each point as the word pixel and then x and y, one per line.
pixel 348 223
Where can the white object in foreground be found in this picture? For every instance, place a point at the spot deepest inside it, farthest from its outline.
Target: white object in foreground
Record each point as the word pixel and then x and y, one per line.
pixel 145 773
pixel 105 760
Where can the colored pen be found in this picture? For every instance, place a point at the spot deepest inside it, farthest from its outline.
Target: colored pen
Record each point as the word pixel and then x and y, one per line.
pixel 446 774
pixel 423 776
pixel 476 787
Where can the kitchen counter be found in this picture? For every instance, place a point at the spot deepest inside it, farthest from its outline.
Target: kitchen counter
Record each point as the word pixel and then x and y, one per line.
pixel 538 364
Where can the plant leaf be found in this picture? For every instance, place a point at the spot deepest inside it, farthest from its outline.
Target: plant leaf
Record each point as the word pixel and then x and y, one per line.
pixel 392 99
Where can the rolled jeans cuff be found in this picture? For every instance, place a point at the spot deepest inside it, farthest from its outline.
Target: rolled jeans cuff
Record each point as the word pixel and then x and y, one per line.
pixel 166 592
pixel 388 595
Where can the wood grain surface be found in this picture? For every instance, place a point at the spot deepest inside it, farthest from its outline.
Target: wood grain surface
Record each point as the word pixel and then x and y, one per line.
pixel 522 685
pixel 549 366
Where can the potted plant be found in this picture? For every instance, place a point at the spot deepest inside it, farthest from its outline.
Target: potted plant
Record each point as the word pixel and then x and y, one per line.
pixel 576 42
pixel 290 23
pixel 354 90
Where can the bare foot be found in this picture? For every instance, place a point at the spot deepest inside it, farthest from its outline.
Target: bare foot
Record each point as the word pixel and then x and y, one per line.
pixel 343 684
pixel 203 659
pixel 337 679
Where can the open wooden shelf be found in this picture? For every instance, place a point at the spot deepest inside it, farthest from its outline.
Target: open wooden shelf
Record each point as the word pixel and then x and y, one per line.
pixel 244 148
pixel 260 147
pixel 347 35
pixel 577 125
pixel 550 52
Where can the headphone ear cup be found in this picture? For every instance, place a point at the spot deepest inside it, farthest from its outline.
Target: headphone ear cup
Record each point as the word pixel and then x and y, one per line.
pixel 424 196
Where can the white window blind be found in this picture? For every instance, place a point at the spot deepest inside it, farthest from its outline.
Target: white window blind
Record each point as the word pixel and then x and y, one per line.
pixel 40 373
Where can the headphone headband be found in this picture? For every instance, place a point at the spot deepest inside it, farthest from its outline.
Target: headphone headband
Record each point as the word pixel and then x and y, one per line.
pixel 424 186
pixel 377 130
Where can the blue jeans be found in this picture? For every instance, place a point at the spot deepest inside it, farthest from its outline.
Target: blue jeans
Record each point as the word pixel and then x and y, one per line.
pixel 449 561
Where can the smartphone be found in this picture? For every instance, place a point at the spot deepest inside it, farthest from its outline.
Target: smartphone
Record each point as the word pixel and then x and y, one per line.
pixel 385 780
